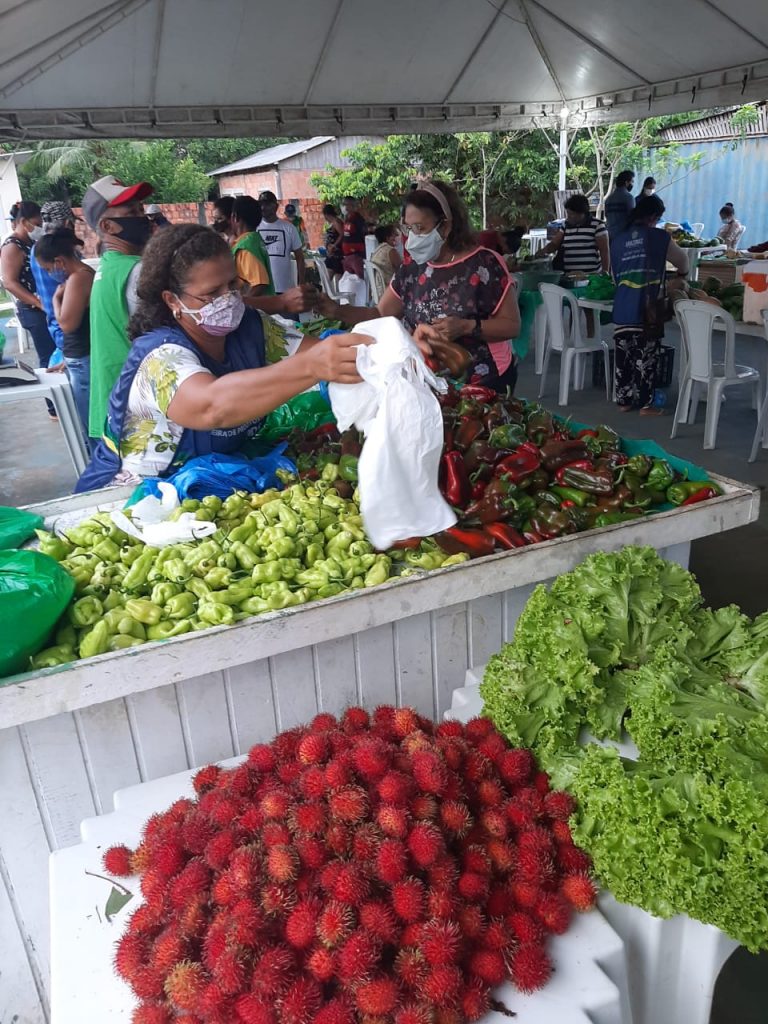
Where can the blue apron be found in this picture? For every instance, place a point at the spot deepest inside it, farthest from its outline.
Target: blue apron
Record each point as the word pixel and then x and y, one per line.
pixel 245 349
pixel 638 261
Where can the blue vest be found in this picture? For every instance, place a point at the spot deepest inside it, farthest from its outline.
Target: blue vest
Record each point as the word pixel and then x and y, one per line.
pixel 638 260
pixel 245 349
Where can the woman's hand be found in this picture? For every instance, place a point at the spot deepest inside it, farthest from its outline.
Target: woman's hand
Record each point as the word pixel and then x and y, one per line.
pixel 335 358
pixel 326 307
pixel 451 328
pixel 300 299
pixel 436 349
pixel 58 368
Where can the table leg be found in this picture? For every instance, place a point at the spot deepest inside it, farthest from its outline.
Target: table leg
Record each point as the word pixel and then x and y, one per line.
pixel 61 396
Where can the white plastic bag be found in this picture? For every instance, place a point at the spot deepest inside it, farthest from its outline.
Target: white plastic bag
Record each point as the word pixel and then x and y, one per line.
pixel 150 522
pixel 396 409
pixel 354 288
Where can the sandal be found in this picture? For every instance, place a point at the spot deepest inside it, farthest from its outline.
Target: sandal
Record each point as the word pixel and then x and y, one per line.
pixel 650 410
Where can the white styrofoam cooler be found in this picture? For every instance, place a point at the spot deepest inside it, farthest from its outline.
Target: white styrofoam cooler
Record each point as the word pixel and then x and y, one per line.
pixel 589 984
pixel 71 736
pixel 673 964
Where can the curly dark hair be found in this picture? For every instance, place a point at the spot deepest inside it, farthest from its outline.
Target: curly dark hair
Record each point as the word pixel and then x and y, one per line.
pixel 461 236
pixel 61 242
pixel 165 266
pixel 24 209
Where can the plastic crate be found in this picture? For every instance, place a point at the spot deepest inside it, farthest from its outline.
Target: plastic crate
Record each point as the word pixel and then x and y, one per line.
pixel 664 372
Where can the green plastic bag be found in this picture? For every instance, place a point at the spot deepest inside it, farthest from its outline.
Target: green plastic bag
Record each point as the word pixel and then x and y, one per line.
pixel 303 412
pixel 34 591
pixel 16 526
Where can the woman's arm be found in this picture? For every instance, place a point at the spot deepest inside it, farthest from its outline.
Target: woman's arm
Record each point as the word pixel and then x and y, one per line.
pixel 389 305
pixel 74 301
pixel 11 265
pixel 394 258
pixel 678 258
pixel 601 241
pixel 501 326
pixel 553 245
pixel 205 402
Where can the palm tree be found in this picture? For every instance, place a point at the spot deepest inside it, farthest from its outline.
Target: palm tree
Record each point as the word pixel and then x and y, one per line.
pixel 60 162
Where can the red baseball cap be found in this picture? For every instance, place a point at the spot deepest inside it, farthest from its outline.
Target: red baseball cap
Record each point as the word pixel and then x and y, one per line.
pixel 110 191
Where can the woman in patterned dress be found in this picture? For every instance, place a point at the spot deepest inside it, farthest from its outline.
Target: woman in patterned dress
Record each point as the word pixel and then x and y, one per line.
pixel 204 370
pixel 453 290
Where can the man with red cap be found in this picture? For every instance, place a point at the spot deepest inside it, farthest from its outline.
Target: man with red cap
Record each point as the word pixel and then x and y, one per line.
pixel 116 212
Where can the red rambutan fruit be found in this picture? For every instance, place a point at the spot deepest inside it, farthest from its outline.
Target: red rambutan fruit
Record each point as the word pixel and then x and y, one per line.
pixel 213 1003
pixel 251 821
pixel 230 971
pixel 300 1002
pixel 455 818
pixel 472 921
pixel 151 1013
pixel 321 964
pixel 196 832
pixel 301 923
pixel 524 927
pixel 553 911
pixel 391 863
pixel 500 901
pixel 473 887
pixel 395 788
pixel 366 842
pixel 425 843
pixel 169 858
pixel 352 885
pixel 442 984
pixel 393 820
pixel 169 949
pixel 476 766
pixel 355 720
pixel 226 810
pixel 572 860
pixel 404 721
pixel 429 772
pixel 273 969
pixel 117 861
pixel 338 838
pixel 530 967
pixel 323 722
pixel 131 954
pixel 254 1009
pixel 371 757
pixel 379 996
pixel 328 875
pixel 488 965
pixel 441 903
pixel 453 753
pixel 140 859
pixel 285 744
pixel 348 804
pixel 245 866
pixel 524 893
pixel 411 967
pixel 335 1011
pixel 313 749
pixel 312 782
pixel 219 849
pixel 145 921
pixel 561 831
pixel 414 1013
pixel 274 804
pixel 215 941
pixel 335 922
pixel 448 1015
pixel 275 833
pixel 490 793
pixel 474 858
pixel 498 938
pixel 580 891
pixel 154 886
pixel 541 782
pixel 516 766
pixel 533 865
pixel 440 942
pixel 358 957
pixel 246 923
pixel 408 899
pixel 559 805
pixel 308 819
pixel 444 873
pixel 226 890
pixel 337 774
pixel 475 1000
pixel 535 838
pixel 277 900
pixel 502 855
pixel 493 746
pixel 450 728
pixel 312 852
pixel 282 863
pixel 382 720
pixel 377 918
pixel 495 822
pixel 424 807
pixel 147 983
pixel 289 772
pixel 478 728
pixel 206 778
pixel 184 985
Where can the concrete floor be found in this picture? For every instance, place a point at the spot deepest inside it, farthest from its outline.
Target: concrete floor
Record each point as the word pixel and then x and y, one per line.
pixel 731 567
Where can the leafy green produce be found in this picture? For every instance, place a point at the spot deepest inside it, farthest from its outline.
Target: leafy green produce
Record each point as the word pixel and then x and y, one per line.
pixel 620 649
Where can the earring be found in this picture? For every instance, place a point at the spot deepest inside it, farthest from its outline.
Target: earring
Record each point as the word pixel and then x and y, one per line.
pixel 177 314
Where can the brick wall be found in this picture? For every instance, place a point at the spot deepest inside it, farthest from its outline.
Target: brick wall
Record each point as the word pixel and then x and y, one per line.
pixel 287 186
pixel 177 213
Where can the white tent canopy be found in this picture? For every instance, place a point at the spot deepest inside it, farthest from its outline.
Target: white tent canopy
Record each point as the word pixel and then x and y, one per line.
pixel 155 68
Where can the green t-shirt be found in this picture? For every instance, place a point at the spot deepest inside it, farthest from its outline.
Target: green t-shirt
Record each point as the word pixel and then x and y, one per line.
pixel 253 243
pixel 109 332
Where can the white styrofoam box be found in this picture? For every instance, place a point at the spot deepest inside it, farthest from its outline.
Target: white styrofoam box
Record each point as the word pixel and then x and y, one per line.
pixel 673 963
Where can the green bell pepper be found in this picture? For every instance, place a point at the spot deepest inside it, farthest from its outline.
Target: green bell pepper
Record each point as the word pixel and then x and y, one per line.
pixel 678 493
pixel 379 571
pixel 107 550
pixel 314 553
pixel 348 468
pixel 245 558
pixel 235 593
pixel 611 518
pixel 330 472
pixel 129 554
pixel 579 498
pixel 330 590
pixel 52 656
pixel 197 587
pixel 218 578
pixel 215 613
pixel 144 611
pixel 165 630
pixel 640 465
pixel 212 501
pixel 163 592
pixel 52 546
pixel 181 606
pixel 267 572
pixel 114 599
pixel 660 476
pixel 121 642
pixel 137 575
pixel 457 559
pixel 86 612
pixel 176 570
pixel 254 606
pixel 96 641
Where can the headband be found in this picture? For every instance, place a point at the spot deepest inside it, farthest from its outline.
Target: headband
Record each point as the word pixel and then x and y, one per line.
pixel 438 195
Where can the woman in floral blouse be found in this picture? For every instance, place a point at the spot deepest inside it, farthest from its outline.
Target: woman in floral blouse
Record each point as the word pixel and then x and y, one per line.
pixel 454 290
pixel 203 370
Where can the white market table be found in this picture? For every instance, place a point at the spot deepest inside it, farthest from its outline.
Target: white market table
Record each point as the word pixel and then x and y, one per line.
pixel 56 388
pixel 589 985
pixel 71 736
pixel 673 964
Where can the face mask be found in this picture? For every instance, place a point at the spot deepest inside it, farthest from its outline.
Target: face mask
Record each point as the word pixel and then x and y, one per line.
pixel 135 231
pixel 424 248
pixel 36 233
pixel 58 275
pixel 220 317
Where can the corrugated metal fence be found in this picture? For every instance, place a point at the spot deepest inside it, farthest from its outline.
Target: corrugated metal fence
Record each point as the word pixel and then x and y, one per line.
pixel 725 175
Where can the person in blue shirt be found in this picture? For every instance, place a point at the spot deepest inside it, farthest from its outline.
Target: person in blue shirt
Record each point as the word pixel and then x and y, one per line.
pixel 55 215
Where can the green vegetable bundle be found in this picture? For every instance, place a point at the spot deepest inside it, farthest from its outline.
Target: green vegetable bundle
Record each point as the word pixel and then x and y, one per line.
pixel 272 551
pixel 621 647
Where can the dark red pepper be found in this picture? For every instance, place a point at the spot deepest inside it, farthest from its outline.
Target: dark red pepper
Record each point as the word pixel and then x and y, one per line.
pixel 577 464
pixel 478 490
pixel 591 480
pixel 498 502
pixel 506 536
pixel 555 454
pixel 468 430
pixel 481 453
pixel 479 393
pixel 532 536
pixel 703 495
pixel 551 521
pixel 454 481
pixel 612 458
pixel 519 465
pixel 407 545
pixel 350 442
pixel 457 541
pixel 586 433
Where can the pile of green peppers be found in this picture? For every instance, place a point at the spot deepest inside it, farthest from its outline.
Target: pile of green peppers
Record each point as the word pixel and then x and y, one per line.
pixel 271 551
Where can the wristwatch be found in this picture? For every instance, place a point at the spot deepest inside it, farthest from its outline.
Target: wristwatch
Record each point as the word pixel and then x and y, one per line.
pixel 477 330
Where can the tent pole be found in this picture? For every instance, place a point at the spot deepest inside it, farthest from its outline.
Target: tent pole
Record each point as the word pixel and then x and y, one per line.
pixel 562 152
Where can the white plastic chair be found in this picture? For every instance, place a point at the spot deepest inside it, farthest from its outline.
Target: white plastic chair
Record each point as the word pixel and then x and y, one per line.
pixel 325 280
pixel 740 236
pixel 698 228
pixel 761 433
pixel 698 370
pixel 537 239
pixel 570 343
pixel 376 283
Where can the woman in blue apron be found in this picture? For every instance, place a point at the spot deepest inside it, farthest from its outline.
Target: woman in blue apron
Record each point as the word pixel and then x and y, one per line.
pixel 203 370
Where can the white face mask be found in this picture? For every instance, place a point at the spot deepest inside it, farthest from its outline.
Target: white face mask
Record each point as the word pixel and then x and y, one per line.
pixel 424 248
pixel 36 233
pixel 219 317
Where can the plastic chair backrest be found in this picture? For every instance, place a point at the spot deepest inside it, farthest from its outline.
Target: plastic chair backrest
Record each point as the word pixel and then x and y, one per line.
pixel 698 227
pixel 376 282
pixel 325 279
pixel 740 235
pixel 554 296
pixel 697 321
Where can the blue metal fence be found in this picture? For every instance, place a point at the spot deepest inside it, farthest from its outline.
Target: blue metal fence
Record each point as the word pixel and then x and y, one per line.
pixel 738 176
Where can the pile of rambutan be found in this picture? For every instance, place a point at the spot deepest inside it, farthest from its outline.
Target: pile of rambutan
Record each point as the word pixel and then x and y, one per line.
pixel 368 870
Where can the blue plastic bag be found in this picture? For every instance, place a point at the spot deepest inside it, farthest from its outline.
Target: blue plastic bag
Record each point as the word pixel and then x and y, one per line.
pixel 222 475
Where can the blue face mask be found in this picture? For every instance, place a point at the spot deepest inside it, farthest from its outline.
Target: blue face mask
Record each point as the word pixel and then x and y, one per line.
pixel 59 276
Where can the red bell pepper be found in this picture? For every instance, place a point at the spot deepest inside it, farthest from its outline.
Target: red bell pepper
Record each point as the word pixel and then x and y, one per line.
pixel 456 541
pixel 578 464
pixel 407 545
pixel 454 481
pixel 586 433
pixel 519 465
pixel 506 536
pixel 478 489
pixel 468 430
pixel 702 495
pixel 555 454
pixel 479 393
pixel 532 536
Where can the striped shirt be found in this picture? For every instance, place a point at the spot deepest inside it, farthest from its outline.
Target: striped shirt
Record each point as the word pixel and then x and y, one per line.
pixel 579 246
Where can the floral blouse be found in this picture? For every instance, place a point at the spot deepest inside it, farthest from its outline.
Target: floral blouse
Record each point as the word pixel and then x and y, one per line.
pixel 473 286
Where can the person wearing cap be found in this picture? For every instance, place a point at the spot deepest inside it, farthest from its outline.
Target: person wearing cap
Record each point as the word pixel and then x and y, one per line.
pixel 116 212
pixel 353 240
pixel 282 241
pixel 56 215
pixel 293 216
pixel 158 218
